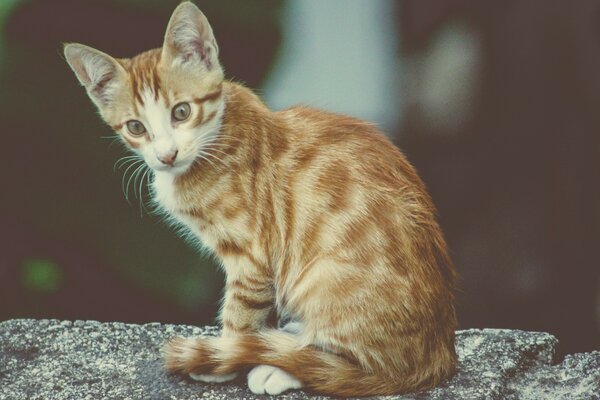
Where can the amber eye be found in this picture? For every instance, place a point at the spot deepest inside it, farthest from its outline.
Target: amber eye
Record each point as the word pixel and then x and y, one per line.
pixel 181 112
pixel 136 128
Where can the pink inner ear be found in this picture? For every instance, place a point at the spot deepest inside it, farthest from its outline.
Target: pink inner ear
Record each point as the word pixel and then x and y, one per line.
pixel 198 47
pixel 99 88
pixel 205 54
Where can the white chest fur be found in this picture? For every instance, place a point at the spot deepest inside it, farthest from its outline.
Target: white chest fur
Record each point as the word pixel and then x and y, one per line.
pixel 207 232
pixel 165 194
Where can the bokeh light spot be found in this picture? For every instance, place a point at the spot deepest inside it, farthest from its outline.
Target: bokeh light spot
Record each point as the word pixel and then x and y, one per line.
pixel 41 275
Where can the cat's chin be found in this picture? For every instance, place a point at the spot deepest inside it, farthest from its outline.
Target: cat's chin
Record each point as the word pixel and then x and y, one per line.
pixel 175 170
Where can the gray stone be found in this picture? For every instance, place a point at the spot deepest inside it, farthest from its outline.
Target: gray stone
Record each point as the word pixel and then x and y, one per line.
pixel 48 359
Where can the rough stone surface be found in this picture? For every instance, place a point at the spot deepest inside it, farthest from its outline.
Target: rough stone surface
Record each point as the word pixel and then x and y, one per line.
pixel 48 359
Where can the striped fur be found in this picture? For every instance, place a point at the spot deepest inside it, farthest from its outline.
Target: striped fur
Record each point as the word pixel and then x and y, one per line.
pixel 315 216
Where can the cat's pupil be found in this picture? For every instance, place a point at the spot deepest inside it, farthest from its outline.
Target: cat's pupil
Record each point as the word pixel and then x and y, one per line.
pixel 181 111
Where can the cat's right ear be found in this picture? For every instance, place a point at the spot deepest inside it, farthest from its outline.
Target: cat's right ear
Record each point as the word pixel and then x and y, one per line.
pixel 190 40
pixel 98 72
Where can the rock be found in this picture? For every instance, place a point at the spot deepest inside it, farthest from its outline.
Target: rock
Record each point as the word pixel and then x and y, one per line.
pixel 48 359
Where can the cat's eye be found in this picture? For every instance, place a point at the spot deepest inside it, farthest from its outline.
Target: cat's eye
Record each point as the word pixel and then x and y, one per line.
pixel 135 127
pixel 181 112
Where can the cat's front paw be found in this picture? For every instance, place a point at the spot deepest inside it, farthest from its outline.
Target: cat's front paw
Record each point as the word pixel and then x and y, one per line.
pixel 213 378
pixel 271 380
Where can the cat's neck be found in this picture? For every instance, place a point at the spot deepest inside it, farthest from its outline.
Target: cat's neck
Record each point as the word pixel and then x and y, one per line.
pixel 242 106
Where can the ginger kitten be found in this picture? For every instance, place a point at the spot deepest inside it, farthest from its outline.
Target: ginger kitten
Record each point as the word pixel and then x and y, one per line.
pixel 314 215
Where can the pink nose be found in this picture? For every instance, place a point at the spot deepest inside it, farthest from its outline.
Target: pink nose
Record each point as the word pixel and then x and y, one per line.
pixel 168 159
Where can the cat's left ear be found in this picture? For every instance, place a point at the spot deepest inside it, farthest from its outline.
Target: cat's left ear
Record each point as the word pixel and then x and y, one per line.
pixel 189 38
pixel 98 72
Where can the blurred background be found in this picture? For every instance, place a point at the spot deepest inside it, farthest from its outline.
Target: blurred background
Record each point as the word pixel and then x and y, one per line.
pixel 497 104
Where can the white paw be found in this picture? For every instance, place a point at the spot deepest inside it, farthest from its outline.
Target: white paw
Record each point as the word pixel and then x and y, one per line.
pixel 214 378
pixel 271 380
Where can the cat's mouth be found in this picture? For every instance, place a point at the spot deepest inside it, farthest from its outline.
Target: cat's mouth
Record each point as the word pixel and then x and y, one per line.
pixel 177 168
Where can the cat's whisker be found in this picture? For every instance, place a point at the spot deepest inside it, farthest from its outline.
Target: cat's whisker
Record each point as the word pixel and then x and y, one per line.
pixel 212 145
pixel 149 182
pixel 213 142
pixel 221 139
pixel 139 173
pixel 131 178
pixel 206 153
pixel 204 141
pixel 129 156
pixel 131 165
pixel 209 147
pixel 228 137
pixel 123 186
pixel 112 138
pixel 201 155
pixel 142 207
pixel 130 162
pixel 221 149
pixel 129 181
pixel 123 161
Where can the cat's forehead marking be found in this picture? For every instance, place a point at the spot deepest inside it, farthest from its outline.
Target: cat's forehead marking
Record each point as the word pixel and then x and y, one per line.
pixel 144 76
pixel 156 113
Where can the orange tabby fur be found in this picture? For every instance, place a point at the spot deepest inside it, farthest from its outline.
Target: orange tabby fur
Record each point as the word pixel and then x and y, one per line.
pixel 316 216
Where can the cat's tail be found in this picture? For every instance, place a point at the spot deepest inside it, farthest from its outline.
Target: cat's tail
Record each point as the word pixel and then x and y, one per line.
pixel 320 371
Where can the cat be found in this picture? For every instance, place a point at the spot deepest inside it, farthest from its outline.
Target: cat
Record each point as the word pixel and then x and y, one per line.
pixel 315 216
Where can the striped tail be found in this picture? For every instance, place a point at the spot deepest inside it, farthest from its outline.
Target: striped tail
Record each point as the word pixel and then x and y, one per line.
pixel 318 371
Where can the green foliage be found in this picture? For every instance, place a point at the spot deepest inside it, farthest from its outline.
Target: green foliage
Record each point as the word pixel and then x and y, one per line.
pixel 5 8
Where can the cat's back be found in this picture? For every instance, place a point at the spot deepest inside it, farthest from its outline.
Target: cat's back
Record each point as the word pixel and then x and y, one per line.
pixel 349 143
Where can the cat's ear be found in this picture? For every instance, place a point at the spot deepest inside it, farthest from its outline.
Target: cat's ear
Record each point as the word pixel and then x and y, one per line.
pixel 98 72
pixel 189 38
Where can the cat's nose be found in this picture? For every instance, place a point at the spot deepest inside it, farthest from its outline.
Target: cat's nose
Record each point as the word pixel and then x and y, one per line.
pixel 169 158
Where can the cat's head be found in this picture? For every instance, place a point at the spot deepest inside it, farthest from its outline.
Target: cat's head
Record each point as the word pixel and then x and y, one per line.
pixel 166 103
